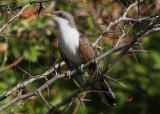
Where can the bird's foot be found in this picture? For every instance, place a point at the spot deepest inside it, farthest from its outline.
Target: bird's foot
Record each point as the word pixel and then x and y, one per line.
pixel 68 74
pixel 81 68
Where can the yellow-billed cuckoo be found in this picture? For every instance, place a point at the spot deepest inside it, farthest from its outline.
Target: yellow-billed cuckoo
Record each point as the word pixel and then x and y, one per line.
pixel 76 50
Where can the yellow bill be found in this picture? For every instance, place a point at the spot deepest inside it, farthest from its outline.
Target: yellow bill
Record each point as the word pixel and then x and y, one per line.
pixel 48 15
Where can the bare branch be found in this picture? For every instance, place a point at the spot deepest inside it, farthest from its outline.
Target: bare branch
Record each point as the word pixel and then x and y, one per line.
pixel 44 100
pixel 109 78
pixel 111 24
pixel 138 37
pixel 152 27
pixel 11 65
pixel 49 82
pixel 13 18
pixel 29 81
pixel 78 103
pixel 20 12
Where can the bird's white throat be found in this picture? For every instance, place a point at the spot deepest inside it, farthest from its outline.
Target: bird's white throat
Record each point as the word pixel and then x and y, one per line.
pixel 69 42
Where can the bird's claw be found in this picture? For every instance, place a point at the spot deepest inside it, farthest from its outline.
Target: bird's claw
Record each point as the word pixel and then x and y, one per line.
pixel 81 68
pixel 68 74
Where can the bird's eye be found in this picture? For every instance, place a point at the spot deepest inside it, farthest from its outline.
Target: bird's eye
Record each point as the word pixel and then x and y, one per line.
pixel 61 15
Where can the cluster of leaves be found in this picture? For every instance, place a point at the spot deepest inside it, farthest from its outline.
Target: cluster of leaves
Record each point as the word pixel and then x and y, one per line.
pixel 34 39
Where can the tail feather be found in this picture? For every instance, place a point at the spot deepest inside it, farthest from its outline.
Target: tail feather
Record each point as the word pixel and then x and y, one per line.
pixel 105 91
pixel 107 95
pixel 79 80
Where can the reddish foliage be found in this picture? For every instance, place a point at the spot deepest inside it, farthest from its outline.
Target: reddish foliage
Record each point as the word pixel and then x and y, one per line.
pixel 54 92
pixel 30 13
pixel 3 47
pixel 130 99
pixel 83 1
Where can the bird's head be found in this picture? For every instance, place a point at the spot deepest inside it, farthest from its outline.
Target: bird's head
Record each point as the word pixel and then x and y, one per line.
pixel 62 18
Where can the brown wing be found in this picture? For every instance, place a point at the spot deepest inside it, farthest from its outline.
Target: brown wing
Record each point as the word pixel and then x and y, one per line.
pixel 88 54
pixel 86 49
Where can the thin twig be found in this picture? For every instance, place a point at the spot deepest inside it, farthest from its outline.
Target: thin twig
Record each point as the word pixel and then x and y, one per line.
pixel 13 18
pixel 12 65
pixel 78 103
pixel 29 81
pixel 114 80
pixel 111 24
pixel 44 100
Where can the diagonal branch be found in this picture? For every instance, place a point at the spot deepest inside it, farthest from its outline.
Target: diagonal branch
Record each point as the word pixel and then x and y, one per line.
pixel 49 82
pixel 127 46
pixel 20 12
pixel 29 81
pixel 111 24
pixel 13 18
pixel 151 28
pixel 137 38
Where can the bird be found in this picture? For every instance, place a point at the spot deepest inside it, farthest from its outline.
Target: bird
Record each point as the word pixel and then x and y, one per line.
pixel 77 50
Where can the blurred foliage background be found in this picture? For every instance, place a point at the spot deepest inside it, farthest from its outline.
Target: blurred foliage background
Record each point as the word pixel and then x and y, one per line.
pixel 32 41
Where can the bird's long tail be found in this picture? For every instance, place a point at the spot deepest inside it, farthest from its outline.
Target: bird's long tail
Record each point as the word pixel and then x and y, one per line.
pixel 79 80
pixel 105 91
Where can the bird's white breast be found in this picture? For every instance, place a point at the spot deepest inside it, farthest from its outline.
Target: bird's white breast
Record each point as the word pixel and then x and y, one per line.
pixel 69 43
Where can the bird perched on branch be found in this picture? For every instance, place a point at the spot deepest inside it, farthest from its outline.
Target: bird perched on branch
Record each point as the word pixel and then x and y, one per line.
pixel 77 50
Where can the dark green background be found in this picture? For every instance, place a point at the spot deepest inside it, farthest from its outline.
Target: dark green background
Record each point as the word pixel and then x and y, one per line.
pixel 35 41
